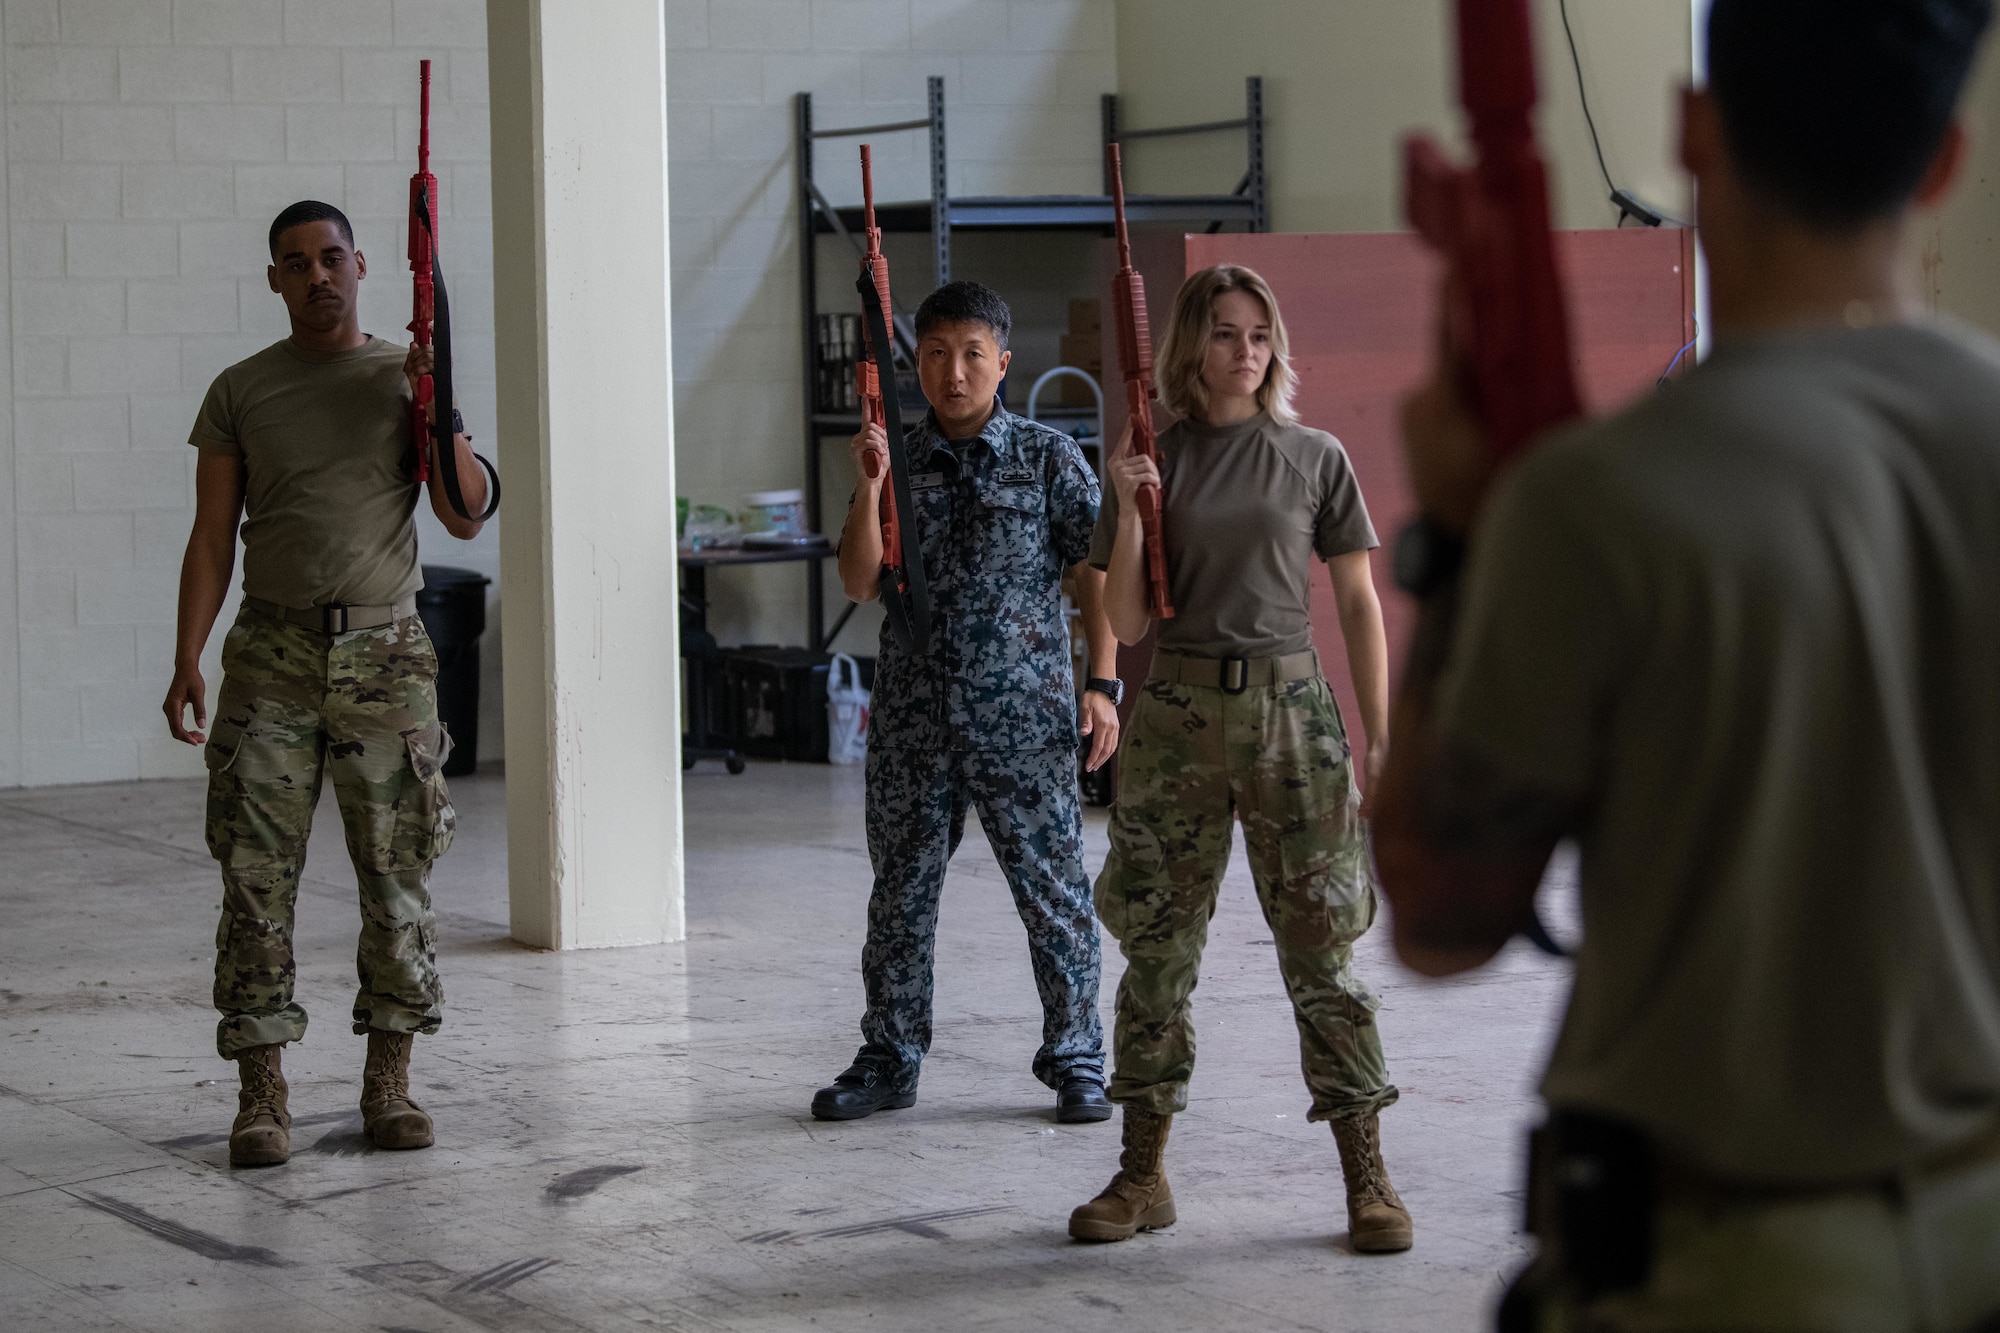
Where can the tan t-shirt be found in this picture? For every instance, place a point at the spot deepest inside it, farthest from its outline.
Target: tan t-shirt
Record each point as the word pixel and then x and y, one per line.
pixel 1248 507
pixel 328 501
pixel 1754 623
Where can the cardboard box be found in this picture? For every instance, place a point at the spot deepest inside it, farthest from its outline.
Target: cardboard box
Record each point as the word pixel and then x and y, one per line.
pixel 1085 351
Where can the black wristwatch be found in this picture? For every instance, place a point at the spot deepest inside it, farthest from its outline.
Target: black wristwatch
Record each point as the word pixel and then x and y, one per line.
pixel 1428 558
pixel 1114 689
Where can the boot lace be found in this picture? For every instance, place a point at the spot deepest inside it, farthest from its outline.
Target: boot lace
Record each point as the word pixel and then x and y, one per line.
pixel 384 1075
pixel 262 1090
pixel 1361 1163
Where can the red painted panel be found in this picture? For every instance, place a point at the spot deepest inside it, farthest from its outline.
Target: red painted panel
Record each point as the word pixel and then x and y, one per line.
pixel 1359 309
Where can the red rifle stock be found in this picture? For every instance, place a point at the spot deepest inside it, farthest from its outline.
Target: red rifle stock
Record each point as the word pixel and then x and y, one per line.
pixel 867 381
pixel 1135 363
pixel 1505 320
pixel 423 265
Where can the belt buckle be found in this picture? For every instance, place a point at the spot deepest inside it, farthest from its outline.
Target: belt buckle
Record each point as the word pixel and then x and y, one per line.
pixel 1235 675
pixel 327 618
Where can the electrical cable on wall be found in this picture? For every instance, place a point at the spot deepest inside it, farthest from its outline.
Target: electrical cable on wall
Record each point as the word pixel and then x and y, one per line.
pixel 1628 205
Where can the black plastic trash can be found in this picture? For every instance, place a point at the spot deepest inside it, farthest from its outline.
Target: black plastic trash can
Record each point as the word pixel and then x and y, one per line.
pixel 452 603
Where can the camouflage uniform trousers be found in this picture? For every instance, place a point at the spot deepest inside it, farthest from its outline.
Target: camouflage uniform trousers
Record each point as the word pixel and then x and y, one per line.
pixel 1029 806
pixel 295 705
pixel 1277 757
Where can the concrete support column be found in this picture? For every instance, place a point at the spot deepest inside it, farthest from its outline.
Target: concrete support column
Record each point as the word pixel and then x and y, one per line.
pixel 589 600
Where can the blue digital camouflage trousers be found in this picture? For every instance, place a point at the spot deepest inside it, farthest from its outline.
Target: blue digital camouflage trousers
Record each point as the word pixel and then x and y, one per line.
pixel 1028 804
pixel 295 706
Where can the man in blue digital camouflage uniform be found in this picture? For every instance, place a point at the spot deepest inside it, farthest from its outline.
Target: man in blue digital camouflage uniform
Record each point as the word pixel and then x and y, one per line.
pixel 984 714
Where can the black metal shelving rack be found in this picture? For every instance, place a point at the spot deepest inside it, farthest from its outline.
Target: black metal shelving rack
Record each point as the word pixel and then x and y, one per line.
pixel 941 215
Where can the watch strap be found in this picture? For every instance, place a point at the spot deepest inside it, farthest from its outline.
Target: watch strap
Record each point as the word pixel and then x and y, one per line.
pixel 1428 557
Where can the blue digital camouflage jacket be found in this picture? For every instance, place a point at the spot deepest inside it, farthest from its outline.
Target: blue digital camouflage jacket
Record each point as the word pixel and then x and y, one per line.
pixel 999 518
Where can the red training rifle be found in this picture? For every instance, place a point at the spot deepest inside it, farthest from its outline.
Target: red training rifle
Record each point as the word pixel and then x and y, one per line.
pixel 1506 326
pixel 1505 322
pixel 434 420
pixel 1135 362
pixel 905 592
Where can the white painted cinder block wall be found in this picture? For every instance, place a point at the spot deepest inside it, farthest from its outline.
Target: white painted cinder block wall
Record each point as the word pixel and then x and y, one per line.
pixel 148 145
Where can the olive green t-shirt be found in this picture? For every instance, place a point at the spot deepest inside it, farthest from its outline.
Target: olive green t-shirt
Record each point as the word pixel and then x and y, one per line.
pixel 1248 508
pixel 1753 625
pixel 328 500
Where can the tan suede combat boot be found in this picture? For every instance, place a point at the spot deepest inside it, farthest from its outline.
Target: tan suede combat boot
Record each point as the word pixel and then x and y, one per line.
pixel 388 1116
pixel 1137 1199
pixel 262 1134
pixel 1377 1221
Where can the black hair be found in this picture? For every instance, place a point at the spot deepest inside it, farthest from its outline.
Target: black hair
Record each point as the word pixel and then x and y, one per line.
pixel 1835 108
pixel 966 303
pixel 309 210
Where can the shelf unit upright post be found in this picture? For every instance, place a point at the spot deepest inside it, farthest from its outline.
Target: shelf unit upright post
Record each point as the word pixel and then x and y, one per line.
pixel 1250 189
pixel 817 213
pixel 941 214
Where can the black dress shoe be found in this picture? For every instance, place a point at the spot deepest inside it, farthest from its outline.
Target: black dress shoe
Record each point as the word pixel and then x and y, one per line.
pixel 1081 1100
pixel 862 1090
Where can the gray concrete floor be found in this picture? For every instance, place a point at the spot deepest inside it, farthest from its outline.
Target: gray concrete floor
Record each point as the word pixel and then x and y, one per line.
pixel 623 1141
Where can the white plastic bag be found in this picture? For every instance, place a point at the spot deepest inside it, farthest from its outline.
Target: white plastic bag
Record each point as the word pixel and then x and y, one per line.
pixel 846 712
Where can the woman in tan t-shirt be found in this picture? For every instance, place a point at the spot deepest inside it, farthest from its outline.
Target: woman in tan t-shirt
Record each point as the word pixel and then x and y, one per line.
pixel 1236 721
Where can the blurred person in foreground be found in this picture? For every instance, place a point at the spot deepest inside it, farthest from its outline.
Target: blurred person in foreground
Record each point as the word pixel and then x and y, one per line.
pixel 1741 641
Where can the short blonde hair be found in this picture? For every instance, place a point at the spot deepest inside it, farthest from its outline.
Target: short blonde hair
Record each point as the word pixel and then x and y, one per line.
pixel 1185 346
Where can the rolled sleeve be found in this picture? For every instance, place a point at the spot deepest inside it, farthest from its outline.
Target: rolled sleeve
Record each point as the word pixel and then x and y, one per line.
pixel 214 429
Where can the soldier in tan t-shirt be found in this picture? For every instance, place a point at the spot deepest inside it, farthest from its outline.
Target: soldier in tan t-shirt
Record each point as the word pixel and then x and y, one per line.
pixel 1741 641
pixel 1236 721
pixel 326 672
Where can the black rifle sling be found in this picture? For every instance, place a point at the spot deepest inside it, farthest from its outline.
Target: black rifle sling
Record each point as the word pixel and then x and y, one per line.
pixel 908 607
pixel 444 403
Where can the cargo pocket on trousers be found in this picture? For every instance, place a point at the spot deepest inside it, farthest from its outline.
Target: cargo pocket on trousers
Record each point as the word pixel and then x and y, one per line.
pixel 1328 876
pixel 433 819
pixel 225 739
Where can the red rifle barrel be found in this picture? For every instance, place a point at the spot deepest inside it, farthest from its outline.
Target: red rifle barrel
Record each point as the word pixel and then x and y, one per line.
pixel 423 204
pixel 1505 315
pixel 867 381
pixel 1135 362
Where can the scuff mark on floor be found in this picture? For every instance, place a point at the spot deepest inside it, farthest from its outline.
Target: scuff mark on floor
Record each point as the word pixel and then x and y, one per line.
pixel 589 1180
pixel 481 1298
pixel 177 1233
pixel 916 1224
